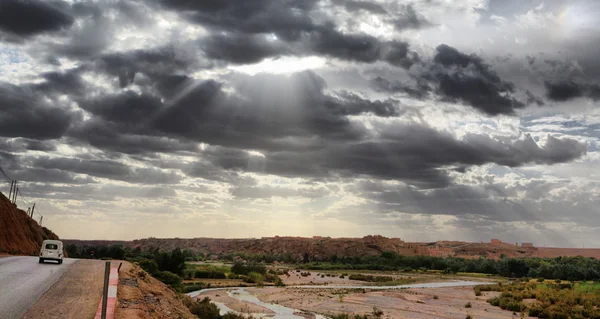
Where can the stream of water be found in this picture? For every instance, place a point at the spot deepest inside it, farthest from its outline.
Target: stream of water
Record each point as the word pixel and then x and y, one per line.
pixel 282 312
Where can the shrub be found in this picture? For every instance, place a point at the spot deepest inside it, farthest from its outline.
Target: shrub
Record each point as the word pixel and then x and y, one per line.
pixel 205 309
pixel 149 266
pixel 255 278
pixel 377 313
pixel 436 297
pixel 170 278
pixel 242 269
pixel 468 305
pixel 541 280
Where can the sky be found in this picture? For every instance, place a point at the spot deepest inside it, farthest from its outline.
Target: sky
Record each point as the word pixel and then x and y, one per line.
pixel 424 120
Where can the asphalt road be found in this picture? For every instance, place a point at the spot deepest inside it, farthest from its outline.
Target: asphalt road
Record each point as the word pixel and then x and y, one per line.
pixel 23 281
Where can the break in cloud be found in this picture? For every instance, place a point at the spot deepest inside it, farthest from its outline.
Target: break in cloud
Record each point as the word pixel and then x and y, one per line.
pixel 423 120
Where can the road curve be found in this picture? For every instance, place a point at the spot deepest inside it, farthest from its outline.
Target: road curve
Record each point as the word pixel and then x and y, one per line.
pixel 23 281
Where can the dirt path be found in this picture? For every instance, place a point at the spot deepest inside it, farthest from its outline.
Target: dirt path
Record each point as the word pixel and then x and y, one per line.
pixel 75 296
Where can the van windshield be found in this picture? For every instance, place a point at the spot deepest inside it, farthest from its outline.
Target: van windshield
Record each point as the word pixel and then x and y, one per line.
pixel 52 246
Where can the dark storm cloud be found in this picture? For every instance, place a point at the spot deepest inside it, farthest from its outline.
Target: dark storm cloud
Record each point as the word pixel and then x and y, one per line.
pixel 291 22
pixel 411 153
pixel 468 79
pixel 326 40
pixel 568 90
pixel 459 77
pixel 127 107
pixel 31 17
pixel 67 82
pixel 286 18
pixel 125 139
pixel 158 64
pixel 107 169
pixel 25 113
pixel 242 48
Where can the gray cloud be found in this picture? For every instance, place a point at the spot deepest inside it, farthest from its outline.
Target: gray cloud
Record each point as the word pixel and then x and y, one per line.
pixel 568 90
pixel 418 161
pixel 27 18
pixel 406 17
pixel 23 145
pixel 241 48
pixel 108 169
pixel 25 113
pixel 457 77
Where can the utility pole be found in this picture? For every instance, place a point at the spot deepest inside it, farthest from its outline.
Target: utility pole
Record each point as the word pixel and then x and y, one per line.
pixel 15 191
pixel 32 210
pixel 28 211
pixel 12 183
pixel 41 218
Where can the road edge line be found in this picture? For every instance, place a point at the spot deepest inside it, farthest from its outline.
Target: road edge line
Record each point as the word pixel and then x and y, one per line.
pixel 113 282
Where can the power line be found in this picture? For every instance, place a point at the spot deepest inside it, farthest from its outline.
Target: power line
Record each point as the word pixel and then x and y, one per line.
pixel 23 198
pixel 8 179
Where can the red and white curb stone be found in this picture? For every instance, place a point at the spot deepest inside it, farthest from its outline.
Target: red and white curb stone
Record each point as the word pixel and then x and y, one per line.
pixel 111 302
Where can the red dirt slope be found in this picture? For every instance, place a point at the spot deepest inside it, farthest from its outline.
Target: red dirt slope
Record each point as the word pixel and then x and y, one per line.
pixel 19 234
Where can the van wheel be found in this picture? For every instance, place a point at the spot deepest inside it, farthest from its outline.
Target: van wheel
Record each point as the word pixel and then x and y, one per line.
pixel 41 260
pixel 60 261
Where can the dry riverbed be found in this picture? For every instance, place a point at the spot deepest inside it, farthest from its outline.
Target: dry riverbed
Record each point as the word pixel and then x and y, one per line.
pixel 423 303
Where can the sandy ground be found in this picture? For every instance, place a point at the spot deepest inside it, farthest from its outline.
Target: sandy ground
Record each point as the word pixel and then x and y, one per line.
pixel 75 296
pixel 413 303
pixel 141 296
pixel 237 305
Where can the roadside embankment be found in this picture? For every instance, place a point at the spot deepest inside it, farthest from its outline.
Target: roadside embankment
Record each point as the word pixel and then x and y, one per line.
pixel 141 296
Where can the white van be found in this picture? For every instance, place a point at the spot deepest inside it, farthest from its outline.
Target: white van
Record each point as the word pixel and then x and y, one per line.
pixel 51 250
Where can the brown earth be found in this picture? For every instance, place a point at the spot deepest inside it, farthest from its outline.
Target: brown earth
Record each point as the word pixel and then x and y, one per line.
pixel 20 235
pixel 398 304
pixel 139 295
pixel 319 248
pixel 75 296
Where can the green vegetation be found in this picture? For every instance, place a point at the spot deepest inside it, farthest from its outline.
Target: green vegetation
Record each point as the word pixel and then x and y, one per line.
pixel 552 300
pixel 564 268
pixel 245 269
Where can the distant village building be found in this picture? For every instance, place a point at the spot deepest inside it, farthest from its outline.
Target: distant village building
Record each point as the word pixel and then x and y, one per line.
pixel 495 241
pixel 527 245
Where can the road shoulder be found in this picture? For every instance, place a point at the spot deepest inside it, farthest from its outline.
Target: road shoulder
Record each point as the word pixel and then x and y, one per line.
pixel 74 296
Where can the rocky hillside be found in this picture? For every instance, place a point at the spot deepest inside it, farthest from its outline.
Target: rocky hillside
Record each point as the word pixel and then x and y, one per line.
pixel 320 248
pixel 19 234
pixel 315 248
